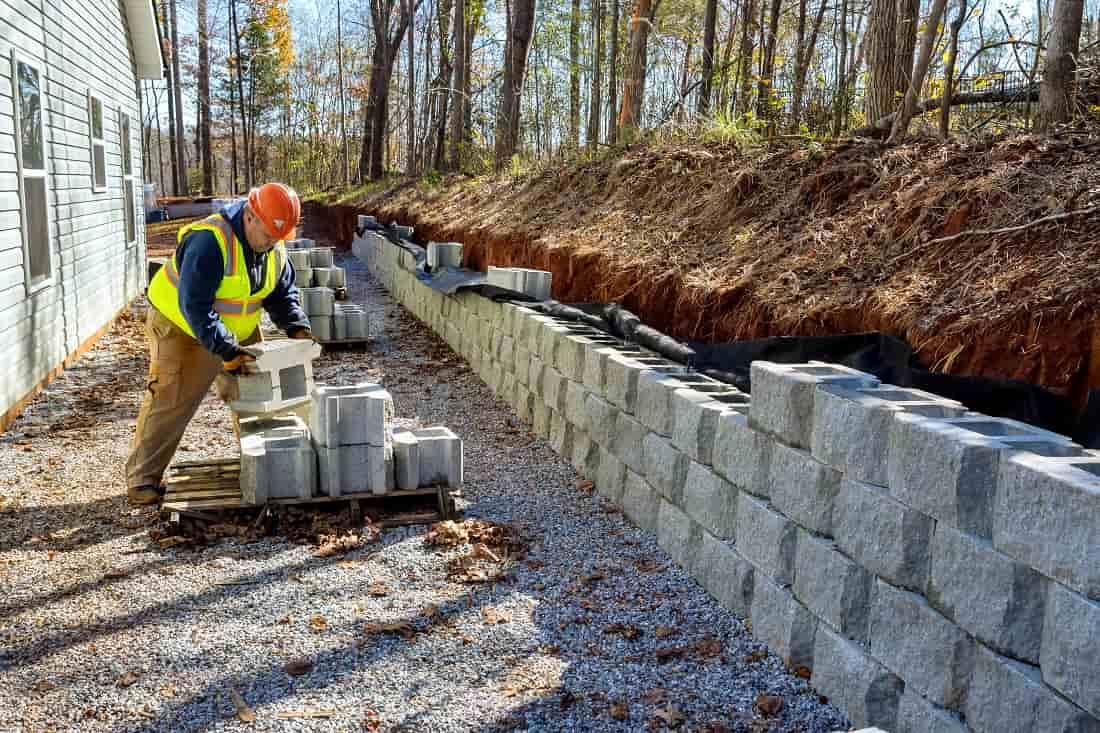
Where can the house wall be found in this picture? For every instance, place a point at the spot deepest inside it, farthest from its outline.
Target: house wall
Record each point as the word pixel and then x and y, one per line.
pixel 79 47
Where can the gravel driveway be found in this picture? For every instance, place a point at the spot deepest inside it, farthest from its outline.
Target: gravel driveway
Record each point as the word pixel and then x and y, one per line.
pixel 592 628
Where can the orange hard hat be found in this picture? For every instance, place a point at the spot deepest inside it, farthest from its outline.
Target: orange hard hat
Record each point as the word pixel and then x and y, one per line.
pixel 278 208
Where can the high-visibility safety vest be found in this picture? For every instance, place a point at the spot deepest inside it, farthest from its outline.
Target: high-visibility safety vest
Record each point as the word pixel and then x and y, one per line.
pixel 239 308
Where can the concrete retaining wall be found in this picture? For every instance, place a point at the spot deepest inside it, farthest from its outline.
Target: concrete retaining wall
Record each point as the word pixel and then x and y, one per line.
pixel 934 569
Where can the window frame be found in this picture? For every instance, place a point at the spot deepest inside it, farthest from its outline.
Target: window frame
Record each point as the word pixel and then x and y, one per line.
pixel 32 284
pixel 126 151
pixel 94 141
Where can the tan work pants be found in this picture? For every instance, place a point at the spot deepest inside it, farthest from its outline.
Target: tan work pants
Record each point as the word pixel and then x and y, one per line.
pixel 180 374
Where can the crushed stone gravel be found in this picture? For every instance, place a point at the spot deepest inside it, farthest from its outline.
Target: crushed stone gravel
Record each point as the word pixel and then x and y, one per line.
pixel 595 629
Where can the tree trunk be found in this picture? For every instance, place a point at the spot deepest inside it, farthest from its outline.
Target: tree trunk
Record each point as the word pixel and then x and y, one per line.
pixel 927 42
pixel 410 167
pixel 804 55
pixel 881 38
pixel 634 87
pixel 442 86
pixel 575 75
pixel 458 106
pixel 767 68
pixel 727 52
pixel 1056 89
pixel 949 69
pixel 840 105
pixel 710 21
pixel 613 77
pixel 908 23
pixel 516 47
pixel 181 149
pixel 683 90
pixel 340 88
pixel 592 135
pixel 744 59
pixel 204 100
pixel 246 147
pixel 372 157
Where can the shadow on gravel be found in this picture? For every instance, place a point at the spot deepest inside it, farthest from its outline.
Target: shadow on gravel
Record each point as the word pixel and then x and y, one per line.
pixel 63 527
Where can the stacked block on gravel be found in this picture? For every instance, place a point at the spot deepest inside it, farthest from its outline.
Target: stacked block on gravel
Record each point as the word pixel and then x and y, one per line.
pixel 277 460
pixel 353 438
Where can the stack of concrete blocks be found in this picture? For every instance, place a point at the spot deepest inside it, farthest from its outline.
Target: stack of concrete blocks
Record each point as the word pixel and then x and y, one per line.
pixel 444 254
pixel 301 243
pixel 349 321
pixel 280 378
pixel 352 436
pixel 277 460
pixel 330 277
pixel 300 262
pixel 427 457
pixel 320 306
pixel 535 283
pixel 934 569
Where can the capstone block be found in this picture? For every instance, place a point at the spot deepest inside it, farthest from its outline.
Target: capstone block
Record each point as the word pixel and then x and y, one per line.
pixel 766 539
pixel 782 623
pixel 724 573
pixel 804 489
pixel 855 682
pixel 742 454
pixel 1071 647
pixel 640 502
pixel 835 589
pixel 711 501
pixel 440 457
pixel 357 414
pixel 627 442
pixel 696 416
pixel 665 467
pixel 621 373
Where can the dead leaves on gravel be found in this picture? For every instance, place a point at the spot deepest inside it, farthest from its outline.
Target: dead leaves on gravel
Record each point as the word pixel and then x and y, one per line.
pixel 492 548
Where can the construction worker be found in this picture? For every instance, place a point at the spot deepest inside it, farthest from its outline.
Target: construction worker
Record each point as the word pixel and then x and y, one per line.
pixel 206 302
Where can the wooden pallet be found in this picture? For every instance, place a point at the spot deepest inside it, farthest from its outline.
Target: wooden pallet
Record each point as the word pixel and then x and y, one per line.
pixel 215 485
pixel 344 343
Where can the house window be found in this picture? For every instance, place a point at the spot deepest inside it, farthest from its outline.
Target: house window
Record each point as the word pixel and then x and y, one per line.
pixel 99 148
pixel 28 97
pixel 127 177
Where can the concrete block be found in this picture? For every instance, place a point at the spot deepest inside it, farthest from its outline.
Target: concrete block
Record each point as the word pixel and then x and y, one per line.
pixel 627 442
pixel 611 477
pixel 665 467
pixel 540 418
pixel 554 386
pixel 561 435
pixel 535 370
pixel 711 501
pixel 358 414
pixel 766 539
pixel 621 376
pixel 575 410
pixel 783 396
pixel 1071 647
pixel 508 387
pixel 1047 515
pixel 444 254
pixel 350 321
pixel 524 403
pixel 959 487
pixel 522 362
pixel 288 366
pixel 677 534
pixel 696 417
pixel 933 655
pixel 533 326
pixel 851 427
pixel 917 715
pixel 804 489
pixel 506 351
pixel 303 277
pixel 535 283
pixel 725 575
pixel 586 455
pixel 569 354
pixel 995 598
pixel 742 454
pixel 1007 696
pixel 323 327
pixel 352 469
pixel 318 301
pixel 277 460
pixel 595 367
pixel 490 311
pixel 853 681
pixel 640 502
pixel 441 461
pixel 835 589
pixel 364 222
pixel 406 460
pixel 320 257
pixel 602 416
pixel 782 623
pixel 883 535
pixel 654 405
pixel 299 259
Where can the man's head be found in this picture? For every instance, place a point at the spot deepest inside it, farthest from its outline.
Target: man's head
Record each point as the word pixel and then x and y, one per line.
pixel 271 215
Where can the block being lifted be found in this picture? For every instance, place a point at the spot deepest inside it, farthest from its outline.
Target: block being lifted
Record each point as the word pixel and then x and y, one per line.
pixel 281 376
pixel 357 414
pixel 277 460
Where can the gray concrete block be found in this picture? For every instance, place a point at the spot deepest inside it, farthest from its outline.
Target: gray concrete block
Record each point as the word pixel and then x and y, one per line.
pixel 622 372
pixel 678 535
pixel 628 440
pixel 554 386
pixel 575 410
pixel 854 682
pixel 525 401
pixel 561 435
pixel 288 366
pixel 602 416
pixel 506 351
pixel 569 355
pixel 535 370
pixel 444 254
pixel 508 387
pixel 782 623
pixel 640 502
pixel 766 539
pixel 803 488
pixel 995 598
pixel 441 460
pixel 883 535
pixel 934 656
pixel 654 403
pixel 352 469
pixel 595 367
pixel 917 715
pixel 711 501
pixel 1007 696
pixel 851 427
pixel 540 419
pixel 959 487
pixel 406 460
pixel 610 477
pixel 358 414
pixel 277 460
pixel 550 336
pixel 695 420
pixel 665 467
pixel 586 455
pixel 742 454
pixel 320 257
pixel 1047 515
pixel 522 364
pixel 724 573
pixel 783 396
pixel 1071 647
pixel 835 589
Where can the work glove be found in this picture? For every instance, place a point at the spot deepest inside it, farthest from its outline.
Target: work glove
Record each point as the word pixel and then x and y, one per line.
pixel 239 363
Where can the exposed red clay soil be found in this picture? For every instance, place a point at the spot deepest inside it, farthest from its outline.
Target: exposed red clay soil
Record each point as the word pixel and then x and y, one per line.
pixel 706 242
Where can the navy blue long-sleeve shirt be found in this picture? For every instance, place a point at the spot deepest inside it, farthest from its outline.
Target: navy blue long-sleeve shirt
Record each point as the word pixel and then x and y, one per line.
pixel 201 269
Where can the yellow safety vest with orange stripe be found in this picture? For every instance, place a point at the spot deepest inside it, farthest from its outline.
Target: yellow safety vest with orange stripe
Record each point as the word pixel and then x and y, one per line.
pixel 239 308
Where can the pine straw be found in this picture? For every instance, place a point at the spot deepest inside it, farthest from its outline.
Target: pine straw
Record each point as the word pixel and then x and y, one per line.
pixel 786 241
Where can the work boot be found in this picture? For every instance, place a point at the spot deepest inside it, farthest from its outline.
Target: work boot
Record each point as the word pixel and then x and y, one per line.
pixel 143 495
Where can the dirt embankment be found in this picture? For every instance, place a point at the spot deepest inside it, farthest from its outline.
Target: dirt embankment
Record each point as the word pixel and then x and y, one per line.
pixel 706 242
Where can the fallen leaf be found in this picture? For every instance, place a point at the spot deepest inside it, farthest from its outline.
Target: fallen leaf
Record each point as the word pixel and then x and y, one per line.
pixel 378 590
pixel 127 678
pixel 656 695
pixel 768 705
pixel 318 623
pixel 115 574
pixel 285 620
pixel 757 656
pixel 619 711
pixel 430 612
pixel 566 699
pixel 585 486
pixel 244 713
pixel 662 632
pixel 671 717
pixel 298 667
pixel 803 672
pixel 294 714
pixel 43 686
pixel 627 631
pixel 666 653
pixel 593 577
pixel 707 647
pixel 494 616
pixel 481 551
pixel 395 627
